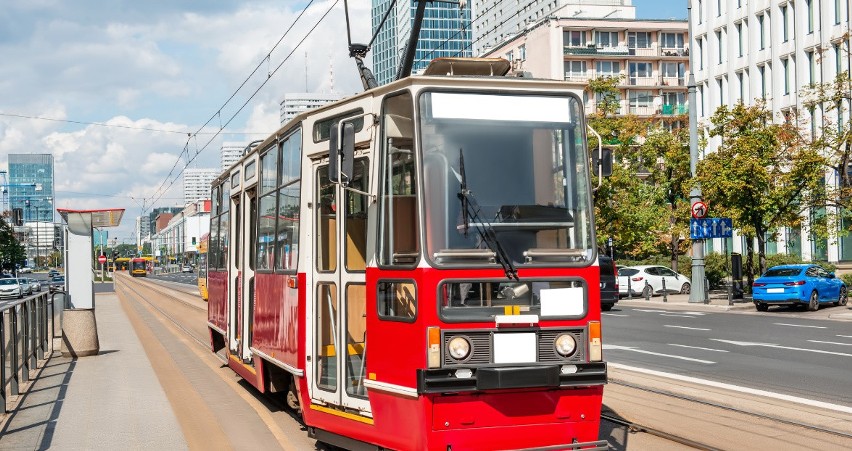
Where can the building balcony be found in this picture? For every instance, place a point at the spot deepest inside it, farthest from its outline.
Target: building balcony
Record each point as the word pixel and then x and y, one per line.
pixel 596 50
pixel 644 81
pixel 675 109
pixel 674 51
pixel 642 110
pixel 674 81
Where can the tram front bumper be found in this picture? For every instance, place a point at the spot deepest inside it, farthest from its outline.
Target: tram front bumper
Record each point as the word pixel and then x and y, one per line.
pixel 450 380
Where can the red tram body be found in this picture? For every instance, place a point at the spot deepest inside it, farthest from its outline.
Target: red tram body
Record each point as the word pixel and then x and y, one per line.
pixel 450 239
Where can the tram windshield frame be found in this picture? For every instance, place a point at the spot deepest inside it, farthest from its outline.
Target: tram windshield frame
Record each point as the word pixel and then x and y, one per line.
pixel 505 179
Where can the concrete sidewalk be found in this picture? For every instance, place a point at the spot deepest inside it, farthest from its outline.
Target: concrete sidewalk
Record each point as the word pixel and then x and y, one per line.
pixel 718 302
pixel 109 401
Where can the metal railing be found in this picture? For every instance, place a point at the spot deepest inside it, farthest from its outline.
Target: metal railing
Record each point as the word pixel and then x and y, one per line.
pixel 27 330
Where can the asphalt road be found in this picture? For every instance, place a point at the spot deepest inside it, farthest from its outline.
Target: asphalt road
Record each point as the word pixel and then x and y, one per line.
pixel 188 278
pixel 807 358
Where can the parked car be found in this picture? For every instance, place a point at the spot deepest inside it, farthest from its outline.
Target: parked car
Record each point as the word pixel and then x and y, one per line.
pixel 53 273
pixel 609 283
pixel 57 284
pixel 804 285
pixel 10 288
pixel 186 268
pixel 26 288
pixel 647 280
pixel 25 270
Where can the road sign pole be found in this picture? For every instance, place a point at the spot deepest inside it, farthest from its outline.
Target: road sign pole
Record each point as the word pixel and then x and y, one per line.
pixel 696 294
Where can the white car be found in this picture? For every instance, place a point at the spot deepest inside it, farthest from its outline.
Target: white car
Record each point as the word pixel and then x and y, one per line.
pixel 186 268
pixel 35 285
pixel 10 288
pixel 647 280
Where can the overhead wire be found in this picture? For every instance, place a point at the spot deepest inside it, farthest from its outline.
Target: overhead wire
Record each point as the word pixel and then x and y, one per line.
pixel 269 76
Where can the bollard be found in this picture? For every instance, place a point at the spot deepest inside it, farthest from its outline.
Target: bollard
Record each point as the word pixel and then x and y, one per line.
pixel 665 292
pixel 629 290
pixel 731 293
pixel 647 292
pixel 706 291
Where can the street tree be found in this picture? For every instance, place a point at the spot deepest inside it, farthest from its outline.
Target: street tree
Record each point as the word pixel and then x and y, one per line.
pixel 12 253
pixel 761 175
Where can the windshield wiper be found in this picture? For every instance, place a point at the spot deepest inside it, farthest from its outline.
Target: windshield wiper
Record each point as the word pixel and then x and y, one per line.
pixel 470 210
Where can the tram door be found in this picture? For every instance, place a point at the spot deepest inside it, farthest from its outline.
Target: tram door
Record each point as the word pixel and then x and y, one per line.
pixel 339 292
pixel 245 269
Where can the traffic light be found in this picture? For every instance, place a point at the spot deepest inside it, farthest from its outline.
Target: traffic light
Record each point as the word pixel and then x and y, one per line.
pixel 18 216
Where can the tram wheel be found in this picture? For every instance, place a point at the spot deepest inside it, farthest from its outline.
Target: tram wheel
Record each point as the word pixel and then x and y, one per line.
pixel 292 399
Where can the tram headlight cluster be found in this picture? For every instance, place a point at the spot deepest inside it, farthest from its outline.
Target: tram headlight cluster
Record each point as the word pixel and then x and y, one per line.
pixel 459 348
pixel 565 344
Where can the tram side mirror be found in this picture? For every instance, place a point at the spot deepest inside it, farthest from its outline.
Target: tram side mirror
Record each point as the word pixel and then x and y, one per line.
pixel 347 165
pixel 602 164
pixel 333 154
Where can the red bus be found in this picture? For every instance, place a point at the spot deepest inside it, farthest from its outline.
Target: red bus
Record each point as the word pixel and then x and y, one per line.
pixel 414 267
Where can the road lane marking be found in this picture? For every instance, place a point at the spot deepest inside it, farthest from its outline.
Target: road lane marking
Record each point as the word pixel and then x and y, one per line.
pixel 736 388
pixel 684 327
pixel 613 314
pixel 693 313
pixel 831 342
pixel 678 316
pixel 650 311
pixel 642 351
pixel 800 325
pixel 698 347
pixel 845 336
pixel 772 345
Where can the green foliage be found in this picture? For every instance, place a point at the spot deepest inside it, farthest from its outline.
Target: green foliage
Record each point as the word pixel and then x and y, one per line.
pixel 12 252
pixel 847 279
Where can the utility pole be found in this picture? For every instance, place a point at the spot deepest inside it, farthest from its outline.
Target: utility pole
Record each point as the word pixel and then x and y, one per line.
pixel 696 293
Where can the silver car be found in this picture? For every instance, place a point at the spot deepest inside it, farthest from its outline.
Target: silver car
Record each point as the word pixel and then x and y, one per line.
pixel 26 288
pixel 35 285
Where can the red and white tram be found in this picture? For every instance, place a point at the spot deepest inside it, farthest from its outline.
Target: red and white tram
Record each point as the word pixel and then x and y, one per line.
pixel 432 286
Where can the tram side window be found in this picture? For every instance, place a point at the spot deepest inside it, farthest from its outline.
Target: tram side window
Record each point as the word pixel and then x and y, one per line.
pixel 326 222
pixel 266 213
pixel 397 301
pixel 399 229
pixel 213 244
pixel 356 218
pixel 287 229
pixel 223 241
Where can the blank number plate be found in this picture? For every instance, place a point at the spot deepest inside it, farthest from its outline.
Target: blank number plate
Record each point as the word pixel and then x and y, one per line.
pixel 774 290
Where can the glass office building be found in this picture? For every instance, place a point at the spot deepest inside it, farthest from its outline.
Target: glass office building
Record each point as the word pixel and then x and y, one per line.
pixel 31 186
pixel 445 33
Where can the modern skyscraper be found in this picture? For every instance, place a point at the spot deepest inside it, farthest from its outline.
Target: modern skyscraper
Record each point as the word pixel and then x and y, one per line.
pixel 196 184
pixel 445 33
pixel 494 21
pixel 295 103
pixel 31 186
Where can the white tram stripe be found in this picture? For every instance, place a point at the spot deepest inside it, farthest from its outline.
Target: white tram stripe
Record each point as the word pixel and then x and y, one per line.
pixel 684 327
pixel 800 325
pixel 736 388
pixel 698 347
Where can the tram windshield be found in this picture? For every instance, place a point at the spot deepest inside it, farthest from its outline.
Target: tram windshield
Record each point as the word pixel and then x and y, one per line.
pixel 505 179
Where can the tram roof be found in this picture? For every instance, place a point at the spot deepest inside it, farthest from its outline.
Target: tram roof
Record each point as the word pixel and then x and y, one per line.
pixel 466 77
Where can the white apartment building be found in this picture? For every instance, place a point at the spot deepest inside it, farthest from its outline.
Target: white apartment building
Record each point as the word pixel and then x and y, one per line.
pixel 651 56
pixel 771 49
pixel 231 153
pixel 178 241
pixel 295 103
pixel 196 184
pixel 495 21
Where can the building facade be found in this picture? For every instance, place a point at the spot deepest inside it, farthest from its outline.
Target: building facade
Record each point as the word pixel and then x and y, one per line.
pixel 31 186
pixel 769 50
pixel 651 58
pixel 178 235
pixel 196 184
pixel 295 103
pixel 495 21
pixel 231 153
pixel 445 32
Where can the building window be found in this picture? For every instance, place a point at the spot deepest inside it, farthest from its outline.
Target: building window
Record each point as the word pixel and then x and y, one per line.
pixel 720 45
pixel 718 8
pixel 575 69
pixel 837 12
pixel 761 31
pixel 671 40
pixel 641 100
pixel 785 66
pixel 638 40
pixel 741 82
pixel 762 70
pixel 606 39
pixel 575 38
pixel 700 11
pixel 701 96
pixel 784 34
pixel 522 52
pixel 811 67
pixel 740 39
pixel 701 54
pixel 810 5
pixel 607 68
pixel 639 71
pixel 838 59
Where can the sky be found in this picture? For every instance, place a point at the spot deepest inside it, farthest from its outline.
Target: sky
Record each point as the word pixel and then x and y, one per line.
pixel 125 94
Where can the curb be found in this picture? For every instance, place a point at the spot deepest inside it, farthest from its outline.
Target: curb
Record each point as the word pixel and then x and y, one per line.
pixel 685 305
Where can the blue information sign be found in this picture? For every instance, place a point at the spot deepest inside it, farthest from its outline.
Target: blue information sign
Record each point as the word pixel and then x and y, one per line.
pixel 704 228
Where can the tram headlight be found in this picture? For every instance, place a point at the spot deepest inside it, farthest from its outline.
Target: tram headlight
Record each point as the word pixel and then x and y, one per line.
pixel 565 344
pixel 459 348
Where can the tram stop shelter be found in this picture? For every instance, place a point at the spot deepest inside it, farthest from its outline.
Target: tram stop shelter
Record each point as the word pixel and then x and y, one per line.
pixel 79 329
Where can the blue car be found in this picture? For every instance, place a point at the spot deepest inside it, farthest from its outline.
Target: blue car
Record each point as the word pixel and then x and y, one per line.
pixel 808 285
